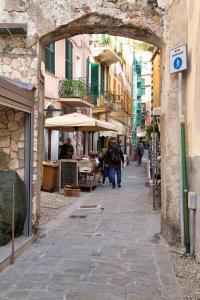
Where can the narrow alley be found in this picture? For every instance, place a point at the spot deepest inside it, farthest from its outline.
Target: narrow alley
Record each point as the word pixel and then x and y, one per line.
pixel 109 251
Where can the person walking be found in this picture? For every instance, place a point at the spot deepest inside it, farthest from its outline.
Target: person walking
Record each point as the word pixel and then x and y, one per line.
pixel 67 150
pixel 140 152
pixel 115 159
pixel 103 163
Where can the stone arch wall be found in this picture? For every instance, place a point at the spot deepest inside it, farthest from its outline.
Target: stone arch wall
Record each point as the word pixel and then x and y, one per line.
pixel 104 23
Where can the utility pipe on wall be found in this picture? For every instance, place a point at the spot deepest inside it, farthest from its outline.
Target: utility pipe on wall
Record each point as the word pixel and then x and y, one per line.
pixel 184 211
pixel 192 207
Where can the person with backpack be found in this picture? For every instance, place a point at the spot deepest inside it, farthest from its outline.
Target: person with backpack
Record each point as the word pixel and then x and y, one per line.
pixel 103 164
pixel 115 159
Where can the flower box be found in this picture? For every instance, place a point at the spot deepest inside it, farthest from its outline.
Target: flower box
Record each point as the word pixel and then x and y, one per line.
pixel 71 191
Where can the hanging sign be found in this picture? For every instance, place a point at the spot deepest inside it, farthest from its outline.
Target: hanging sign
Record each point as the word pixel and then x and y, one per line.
pixel 178 59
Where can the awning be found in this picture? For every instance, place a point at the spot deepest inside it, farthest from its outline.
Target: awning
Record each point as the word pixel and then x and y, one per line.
pixel 78 122
pixel 76 102
pixel 16 94
pixel 119 129
pixel 141 134
pixel 13 28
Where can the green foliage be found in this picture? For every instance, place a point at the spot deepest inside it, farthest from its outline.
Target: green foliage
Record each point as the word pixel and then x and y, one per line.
pixel 144 46
pixel 73 88
pixel 149 131
pixel 106 41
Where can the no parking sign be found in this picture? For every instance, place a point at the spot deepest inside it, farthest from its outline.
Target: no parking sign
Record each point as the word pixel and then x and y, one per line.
pixel 178 59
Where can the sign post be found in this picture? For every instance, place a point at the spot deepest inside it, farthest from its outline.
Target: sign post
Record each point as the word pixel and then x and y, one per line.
pixel 178 63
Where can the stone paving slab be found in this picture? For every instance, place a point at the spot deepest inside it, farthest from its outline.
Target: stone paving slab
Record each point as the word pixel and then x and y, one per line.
pixel 116 254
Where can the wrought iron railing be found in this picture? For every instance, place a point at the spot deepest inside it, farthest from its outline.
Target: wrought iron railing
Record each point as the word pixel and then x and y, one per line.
pixel 92 93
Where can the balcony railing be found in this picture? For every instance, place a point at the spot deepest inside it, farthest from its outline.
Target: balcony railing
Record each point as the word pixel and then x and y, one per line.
pixel 93 94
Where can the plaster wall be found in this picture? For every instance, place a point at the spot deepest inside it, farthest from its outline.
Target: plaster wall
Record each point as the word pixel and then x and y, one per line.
pixel 175 35
pixel 193 108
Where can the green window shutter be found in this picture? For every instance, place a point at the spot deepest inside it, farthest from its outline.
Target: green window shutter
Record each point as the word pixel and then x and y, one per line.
pixel 95 81
pixel 102 80
pixel 143 81
pixel 68 60
pixel 87 71
pixel 50 58
pixel 143 91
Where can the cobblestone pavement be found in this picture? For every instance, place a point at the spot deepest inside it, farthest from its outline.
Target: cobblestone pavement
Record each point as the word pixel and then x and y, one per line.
pixel 111 252
pixel 52 204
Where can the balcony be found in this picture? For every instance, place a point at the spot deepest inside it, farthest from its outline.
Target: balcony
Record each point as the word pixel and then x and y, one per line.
pixel 74 93
pixel 104 103
pixel 104 52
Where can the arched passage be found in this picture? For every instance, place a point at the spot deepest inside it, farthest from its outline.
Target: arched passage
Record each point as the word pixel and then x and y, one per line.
pixel 96 23
pixel 48 21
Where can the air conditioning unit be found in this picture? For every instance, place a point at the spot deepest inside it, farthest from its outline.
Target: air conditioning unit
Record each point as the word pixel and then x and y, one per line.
pixel 68 173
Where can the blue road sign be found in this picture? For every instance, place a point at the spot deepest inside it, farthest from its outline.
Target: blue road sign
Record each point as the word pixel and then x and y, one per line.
pixel 178 59
pixel 178 63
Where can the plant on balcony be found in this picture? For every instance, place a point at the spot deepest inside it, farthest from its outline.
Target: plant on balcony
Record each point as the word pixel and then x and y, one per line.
pixel 106 41
pixel 73 88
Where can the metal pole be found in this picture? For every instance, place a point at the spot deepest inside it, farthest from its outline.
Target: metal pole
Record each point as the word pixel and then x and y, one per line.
pixel 180 100
pixel 153 163
pixel 12 258
pixel 185 188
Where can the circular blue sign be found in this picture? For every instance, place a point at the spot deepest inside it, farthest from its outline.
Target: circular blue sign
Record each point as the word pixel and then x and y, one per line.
pixel 178 63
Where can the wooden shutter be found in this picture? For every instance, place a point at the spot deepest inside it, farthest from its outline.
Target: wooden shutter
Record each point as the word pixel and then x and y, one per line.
pixel 69 60
pixel 50 58
pixel 95 81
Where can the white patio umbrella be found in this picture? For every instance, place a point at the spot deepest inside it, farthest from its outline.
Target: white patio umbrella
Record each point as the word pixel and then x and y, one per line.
pixel 78 122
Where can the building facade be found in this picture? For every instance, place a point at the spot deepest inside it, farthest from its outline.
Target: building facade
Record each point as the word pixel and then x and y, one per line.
pixel 142 89
pixel 112 72
pixel 67 73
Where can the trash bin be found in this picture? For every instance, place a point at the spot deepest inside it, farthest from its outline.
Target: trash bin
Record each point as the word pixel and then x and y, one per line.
pixel 50 176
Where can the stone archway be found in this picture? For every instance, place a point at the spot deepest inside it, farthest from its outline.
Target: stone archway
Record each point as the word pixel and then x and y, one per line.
pixel 101 23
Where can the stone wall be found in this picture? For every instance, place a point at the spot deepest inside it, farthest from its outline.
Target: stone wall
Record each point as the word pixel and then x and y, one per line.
pixel 19 56
pixel 12 140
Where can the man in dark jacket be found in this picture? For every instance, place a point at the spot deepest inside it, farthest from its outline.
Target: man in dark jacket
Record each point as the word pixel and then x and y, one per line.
pixel 115 159
pixel 67 150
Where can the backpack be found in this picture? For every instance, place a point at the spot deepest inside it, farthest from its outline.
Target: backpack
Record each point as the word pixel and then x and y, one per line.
pixel 115 157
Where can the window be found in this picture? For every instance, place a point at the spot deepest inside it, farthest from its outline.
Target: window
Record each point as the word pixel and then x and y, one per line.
pixel 68 60
pixel 50 58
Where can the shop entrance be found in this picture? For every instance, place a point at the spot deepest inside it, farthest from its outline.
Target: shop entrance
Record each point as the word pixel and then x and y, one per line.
pixel 16 109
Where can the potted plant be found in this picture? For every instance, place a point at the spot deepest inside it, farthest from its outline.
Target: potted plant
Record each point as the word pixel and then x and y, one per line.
pixel 71 191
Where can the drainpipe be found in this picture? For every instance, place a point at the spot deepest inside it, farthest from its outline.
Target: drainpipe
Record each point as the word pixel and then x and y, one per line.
pixel 192 203
pixel 184 212
pixel 154 163
pixel 12 258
